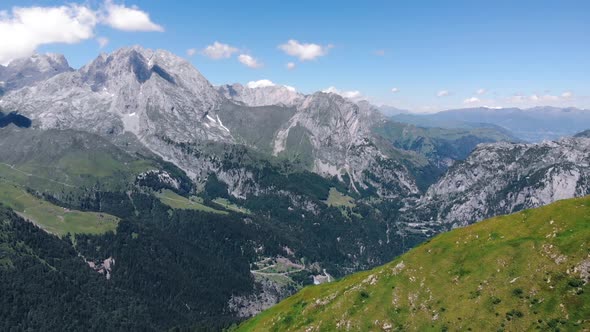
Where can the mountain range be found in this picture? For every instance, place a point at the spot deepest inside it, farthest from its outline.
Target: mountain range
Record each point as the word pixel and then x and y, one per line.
pixel 532 125
pixel 160 99
pixel 260 189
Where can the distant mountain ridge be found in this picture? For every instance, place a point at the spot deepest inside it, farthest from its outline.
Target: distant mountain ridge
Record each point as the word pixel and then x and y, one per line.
pixel 261 94
pixel 534 124
pixel 26 71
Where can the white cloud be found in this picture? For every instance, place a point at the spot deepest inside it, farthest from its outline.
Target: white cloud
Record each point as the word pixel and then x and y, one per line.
pixel 480 91
pixel 267 83
pixel 260 84
pixel 249 61
pixel 543 98
pixel 128 18
pixel 354 95
pixel 442 93
pixel 539 99
pixel 102 42
pixel 395 90
pixel 472 100
pixel 291 65
pixel 517 98
pixel 25 29
pixel 219 51
pixel 536 98
pixel 304 51
pixel 191 51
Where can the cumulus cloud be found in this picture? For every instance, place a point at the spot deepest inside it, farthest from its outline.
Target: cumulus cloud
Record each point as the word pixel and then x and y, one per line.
pixel 472 100
pixel 260 84
pixel 546 99
pixel 291 65
pixel 102 42
pixel 395 90
pixel 304 51
pixel 191 51
pixel 534 98
pixel 128 18
pixel 219 51
pixel 442 93
pixel 267 83
pixel 353 95
pixel 249 61
pixel 25 29
pixel 480 91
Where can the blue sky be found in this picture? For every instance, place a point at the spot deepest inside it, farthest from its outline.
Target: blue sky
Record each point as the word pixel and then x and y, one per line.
pixel 437 54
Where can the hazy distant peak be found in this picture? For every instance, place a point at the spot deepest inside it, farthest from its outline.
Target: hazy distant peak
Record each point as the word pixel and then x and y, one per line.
pixel 26 71
pixel 261 93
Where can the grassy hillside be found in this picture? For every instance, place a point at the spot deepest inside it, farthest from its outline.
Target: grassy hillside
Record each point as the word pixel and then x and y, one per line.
pixel 54 219
pixel 176 201
pixel 438 144
pixel 63 161
pixel 525 271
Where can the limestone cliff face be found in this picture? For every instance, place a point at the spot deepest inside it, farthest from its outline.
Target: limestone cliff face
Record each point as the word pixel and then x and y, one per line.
pixel 27 71
pixel 502 178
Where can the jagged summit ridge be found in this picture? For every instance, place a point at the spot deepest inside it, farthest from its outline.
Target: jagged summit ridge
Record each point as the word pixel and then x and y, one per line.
pixel 261 94
pixel 137 90
pixel 26 71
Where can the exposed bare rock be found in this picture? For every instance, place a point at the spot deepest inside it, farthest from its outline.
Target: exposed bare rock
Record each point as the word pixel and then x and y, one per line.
pixel 27 71
pixel 261 94
pixel 502 178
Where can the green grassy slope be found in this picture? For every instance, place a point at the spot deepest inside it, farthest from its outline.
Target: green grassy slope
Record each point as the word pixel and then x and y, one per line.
pixel 337 198
pixel 438 143
pixel 524 271
pixel 56 161
pixel 54 219
pixel 176 201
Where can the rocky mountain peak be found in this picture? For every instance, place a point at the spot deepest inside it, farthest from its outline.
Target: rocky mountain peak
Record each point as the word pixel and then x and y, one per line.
pixel 27 71
pixel 333 107
pixel 138 65
pixel 142 91
pixel 41 63
pixel 261 93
